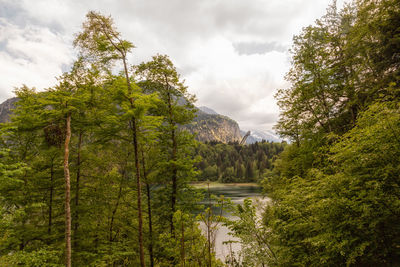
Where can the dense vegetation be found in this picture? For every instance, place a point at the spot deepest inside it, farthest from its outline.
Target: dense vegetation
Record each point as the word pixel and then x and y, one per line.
pixel 232 162
pixel 95 170
pixel 336 189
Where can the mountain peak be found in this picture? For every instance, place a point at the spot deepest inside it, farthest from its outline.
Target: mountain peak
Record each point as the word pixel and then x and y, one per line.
pixel 208 110
pixel 211 126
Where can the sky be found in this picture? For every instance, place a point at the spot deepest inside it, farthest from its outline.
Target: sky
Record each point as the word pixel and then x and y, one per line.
pixel 232 54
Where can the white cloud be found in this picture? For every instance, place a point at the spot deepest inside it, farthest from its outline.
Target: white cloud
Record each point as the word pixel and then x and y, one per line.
pixel 199 36
pixel 240 86
pixel 31 55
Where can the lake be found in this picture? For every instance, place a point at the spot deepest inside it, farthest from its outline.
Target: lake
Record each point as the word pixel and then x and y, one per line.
pixel 237 193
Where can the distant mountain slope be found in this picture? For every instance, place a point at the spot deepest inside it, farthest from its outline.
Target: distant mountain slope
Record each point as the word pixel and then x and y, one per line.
pixel 208 110
pixel 218 127
pixel 214 127
pixel 6 109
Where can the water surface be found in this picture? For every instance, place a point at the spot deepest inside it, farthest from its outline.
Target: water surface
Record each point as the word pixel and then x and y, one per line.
pixel 237 193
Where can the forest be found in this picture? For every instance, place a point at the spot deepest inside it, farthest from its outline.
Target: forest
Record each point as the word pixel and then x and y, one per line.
pixel 234 163
pixel 96 170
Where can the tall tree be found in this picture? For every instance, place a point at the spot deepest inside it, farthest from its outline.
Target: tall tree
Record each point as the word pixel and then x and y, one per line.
pixel 64 101
pixel 160 75
pixel 101 42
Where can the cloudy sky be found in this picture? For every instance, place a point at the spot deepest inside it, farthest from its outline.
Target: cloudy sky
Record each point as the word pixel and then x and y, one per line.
pixel 233 54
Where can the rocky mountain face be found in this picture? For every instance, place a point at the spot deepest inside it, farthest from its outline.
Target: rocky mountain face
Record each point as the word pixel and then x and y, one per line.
pixel 255 134
pixel 6 109
pixel 211 126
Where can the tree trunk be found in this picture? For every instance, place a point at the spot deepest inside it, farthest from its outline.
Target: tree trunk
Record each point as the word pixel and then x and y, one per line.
pixel 149 212
pixel 137 167
pixel 174 180
pixel 182 241
pixel 67 194
pixel 209 225
pixel 77 188
pixel 111 238
pixel 139 192
pixel 51 196
pixel 173 158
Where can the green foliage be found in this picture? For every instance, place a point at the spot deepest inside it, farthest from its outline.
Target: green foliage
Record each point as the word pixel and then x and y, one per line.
pixel 229 163
pixel 100 41
pixel 43 257
pixel 187 247
pixel 346 216
pixel 253 236
pixel 335 190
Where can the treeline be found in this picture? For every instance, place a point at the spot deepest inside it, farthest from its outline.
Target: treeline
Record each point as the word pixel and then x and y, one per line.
pixel 336 189
pixel 230 163
pixel 94 171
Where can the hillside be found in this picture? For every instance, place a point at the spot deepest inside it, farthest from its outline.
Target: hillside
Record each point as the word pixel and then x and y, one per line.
pixel 5 109
pixel 214 127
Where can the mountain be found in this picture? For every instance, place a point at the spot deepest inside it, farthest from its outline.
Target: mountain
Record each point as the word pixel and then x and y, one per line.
pixel 211 126
pixel 258 136
pixel 6 109
pixel 208 110
pixel 222 128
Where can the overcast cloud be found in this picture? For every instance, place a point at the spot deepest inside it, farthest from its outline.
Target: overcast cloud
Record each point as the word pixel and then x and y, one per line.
pixel 233 54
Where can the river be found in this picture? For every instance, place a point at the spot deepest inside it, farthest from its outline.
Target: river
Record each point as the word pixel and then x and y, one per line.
pixel 237 193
